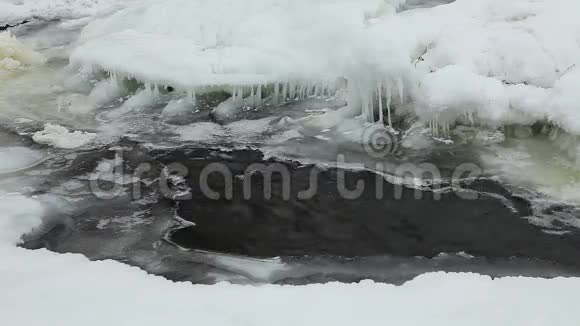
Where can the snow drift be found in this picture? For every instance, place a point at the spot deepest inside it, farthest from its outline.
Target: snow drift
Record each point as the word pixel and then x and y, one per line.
pixel 489 61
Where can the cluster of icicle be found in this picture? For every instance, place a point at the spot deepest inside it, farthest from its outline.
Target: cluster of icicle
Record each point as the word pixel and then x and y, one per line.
pixel 375 104
pixel 282 92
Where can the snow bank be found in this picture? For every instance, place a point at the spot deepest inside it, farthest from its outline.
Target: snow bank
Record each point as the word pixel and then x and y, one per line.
pixel 61 137
pixel 490 61
pixel 16 11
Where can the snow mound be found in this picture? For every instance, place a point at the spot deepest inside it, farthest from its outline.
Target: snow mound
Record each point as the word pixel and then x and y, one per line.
pixel 487 61
pixel 61 137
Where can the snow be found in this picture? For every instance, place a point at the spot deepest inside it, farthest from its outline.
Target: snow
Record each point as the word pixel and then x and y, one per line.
pixel 61 137
pixel 497 62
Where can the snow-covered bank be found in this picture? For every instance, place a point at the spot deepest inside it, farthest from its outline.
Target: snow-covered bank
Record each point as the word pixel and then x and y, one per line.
pixel 70 290
pixel 489 61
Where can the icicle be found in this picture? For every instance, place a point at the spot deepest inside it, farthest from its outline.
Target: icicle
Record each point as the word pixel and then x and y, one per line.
pixel 401 89
pixel 380 92
pixel 258 100
pixel 389 98
pixel 252 96
pixel 292 91
pixel 284 91
pixel 317 90
pixel 372 108
pixel 276 93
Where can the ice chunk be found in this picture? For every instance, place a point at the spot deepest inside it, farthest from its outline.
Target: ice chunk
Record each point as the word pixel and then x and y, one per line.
pixel 61 137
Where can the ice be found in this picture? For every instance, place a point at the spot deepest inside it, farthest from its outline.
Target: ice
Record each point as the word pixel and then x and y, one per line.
pixel 497 62
pixel 177 107
pixel 61 137
pixel 13 159
pixel 201 132
pixel 242 131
